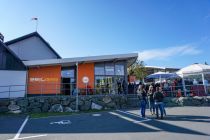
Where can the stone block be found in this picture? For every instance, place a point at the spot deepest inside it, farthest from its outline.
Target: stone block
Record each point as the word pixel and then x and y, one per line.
pixel 22 103
pixel 56 108
pixel 3 109
pixel 13 107
pixel 4 102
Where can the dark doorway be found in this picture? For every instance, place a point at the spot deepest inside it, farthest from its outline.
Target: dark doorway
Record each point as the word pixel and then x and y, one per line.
pixel 66 86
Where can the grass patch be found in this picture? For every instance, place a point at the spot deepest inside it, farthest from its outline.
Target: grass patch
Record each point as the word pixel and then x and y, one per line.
pixel 48 114
pixel 8 114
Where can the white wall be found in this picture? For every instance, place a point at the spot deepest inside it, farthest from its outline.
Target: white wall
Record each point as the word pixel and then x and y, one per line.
pixel 32 48
pixel 16 80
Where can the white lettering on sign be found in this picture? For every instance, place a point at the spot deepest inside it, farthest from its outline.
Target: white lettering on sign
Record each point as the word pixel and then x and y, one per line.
pixel 36 79
pixel 43 79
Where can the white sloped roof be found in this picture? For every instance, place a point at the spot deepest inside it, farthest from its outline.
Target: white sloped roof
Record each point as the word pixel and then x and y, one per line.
pixel 130 57
pixel 194 68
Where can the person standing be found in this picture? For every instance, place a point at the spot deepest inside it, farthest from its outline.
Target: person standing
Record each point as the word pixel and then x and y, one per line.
pixel 143 100
pixel 179 93
pixel 119 86
pixel 158 97
pixel 151 101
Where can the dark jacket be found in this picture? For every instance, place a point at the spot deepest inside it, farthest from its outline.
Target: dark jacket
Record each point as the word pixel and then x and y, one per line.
pixel 143 95
pixel 151 96
pixel 158 96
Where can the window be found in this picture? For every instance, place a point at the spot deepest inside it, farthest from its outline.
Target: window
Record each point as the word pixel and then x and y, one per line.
pixel 99 69
pixel 67 73
pixel 104 84
pixel 207 79
pixel 109 69
pixel 100 81
pixel 109 77
pixel 119 69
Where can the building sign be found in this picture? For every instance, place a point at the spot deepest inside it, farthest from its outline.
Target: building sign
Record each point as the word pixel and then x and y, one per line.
pixel 44 79
pixel 85 79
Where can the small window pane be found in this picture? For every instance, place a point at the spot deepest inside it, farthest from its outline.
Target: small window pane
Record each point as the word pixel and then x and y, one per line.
pixel 109 69
pixel 99 69
pixel 119 69
pixel 67 73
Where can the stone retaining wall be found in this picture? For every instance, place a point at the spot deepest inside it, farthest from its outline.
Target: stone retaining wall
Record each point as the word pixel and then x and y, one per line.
pixel 68 103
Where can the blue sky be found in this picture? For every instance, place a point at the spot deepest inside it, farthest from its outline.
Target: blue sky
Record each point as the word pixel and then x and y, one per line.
pixel 168 33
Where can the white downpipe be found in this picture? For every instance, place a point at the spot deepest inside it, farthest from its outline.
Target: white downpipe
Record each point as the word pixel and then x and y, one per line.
pixel 160 79
pixel 184 87
pixel 204 83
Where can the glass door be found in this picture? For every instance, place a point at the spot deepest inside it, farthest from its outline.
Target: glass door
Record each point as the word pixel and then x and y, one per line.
pixel 68 81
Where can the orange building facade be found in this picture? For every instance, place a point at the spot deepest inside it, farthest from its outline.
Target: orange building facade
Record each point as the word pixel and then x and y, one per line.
pixel 83 75
pixel 49 80
pixel 103 77
pixel 44 80
pixel 86 70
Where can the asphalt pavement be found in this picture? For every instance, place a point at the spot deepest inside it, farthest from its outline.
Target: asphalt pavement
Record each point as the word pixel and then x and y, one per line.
pixel 180 123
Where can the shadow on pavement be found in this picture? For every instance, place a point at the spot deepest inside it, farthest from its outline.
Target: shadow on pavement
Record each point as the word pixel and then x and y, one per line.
pixel 204 119
pixel 172 128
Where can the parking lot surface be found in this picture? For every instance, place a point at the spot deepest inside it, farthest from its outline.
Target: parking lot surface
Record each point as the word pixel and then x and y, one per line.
pixel 180 123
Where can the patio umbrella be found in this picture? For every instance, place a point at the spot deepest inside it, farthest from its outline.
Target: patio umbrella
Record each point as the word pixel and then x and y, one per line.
pixel 160 75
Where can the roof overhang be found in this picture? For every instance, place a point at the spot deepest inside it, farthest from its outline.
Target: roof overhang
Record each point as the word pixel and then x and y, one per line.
pixel 162 68
pixel 130 58
pixel 194 69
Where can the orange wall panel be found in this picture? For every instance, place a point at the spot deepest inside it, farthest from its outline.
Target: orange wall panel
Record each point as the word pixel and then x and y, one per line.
pixel 44 80
pixel 86 69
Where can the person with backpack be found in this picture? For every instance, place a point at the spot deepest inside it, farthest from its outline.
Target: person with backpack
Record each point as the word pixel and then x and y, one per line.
pixel 142 95
pixel 158 98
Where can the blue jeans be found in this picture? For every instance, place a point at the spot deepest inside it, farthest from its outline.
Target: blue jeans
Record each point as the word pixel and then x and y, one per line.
pixel 152 106
pixel 160 106
pixel 164 110
pixel 143 107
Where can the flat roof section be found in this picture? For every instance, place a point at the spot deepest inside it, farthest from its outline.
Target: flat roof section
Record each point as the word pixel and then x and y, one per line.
pixel 130 57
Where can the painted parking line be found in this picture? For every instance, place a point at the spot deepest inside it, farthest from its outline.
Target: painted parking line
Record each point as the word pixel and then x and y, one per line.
pixel 139 122
pixel 21 129
pixel 16 137
pixel 126 112
pixel 29 137
pixel 96 115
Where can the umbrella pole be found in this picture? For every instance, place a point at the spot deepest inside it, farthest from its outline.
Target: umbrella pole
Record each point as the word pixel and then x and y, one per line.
pixel 204 83
pixel 184 88
pixel 160 79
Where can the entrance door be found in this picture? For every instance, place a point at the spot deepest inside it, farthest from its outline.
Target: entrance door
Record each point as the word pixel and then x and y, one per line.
pixel 68 80
pixel 66 86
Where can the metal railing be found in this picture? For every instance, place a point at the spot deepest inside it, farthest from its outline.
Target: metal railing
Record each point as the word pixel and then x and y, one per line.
pixel 188 90
pixel 14 91
pixel 172 91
